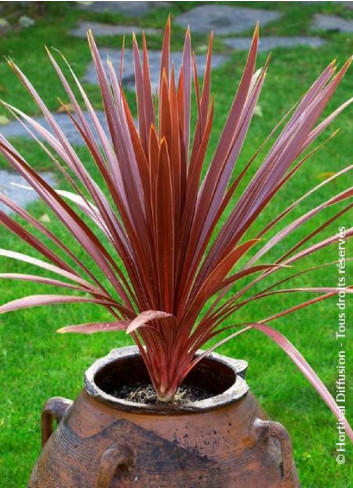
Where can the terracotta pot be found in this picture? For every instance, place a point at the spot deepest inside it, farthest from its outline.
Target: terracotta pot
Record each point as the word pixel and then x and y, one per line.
pixel 224 441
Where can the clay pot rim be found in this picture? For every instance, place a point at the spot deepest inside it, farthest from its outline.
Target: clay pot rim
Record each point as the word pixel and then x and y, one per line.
pixel 234 393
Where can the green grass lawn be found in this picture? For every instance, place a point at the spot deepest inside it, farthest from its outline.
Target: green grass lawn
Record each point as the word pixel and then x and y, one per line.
pixel 37 364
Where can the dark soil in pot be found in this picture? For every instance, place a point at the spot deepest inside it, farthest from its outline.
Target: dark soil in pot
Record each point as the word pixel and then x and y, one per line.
pixel 145 394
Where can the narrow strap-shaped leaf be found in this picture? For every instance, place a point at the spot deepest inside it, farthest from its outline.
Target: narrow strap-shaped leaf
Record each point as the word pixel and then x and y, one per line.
pixel 145 317
pixel 306 369
pixel 165 56
pixel 322 126
pixel 175 155
pixel 41 280
pixel 140 96
pixel 165 244
pixel 186 90
pixel 88 208
pixel 203 102
pixel 44 300
pixel 147 90
pixel 244 273
pixel 90 328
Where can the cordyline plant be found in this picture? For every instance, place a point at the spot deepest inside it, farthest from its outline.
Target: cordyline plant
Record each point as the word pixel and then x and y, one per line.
pixel 159 213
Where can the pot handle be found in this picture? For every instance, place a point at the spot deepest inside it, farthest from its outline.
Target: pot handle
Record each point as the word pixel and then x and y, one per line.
pixel 117 457
pixel 263 429
pixel 54 408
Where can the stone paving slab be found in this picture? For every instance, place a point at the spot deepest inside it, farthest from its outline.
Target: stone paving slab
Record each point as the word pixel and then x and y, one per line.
pixel 269 43
pixel 99 29
pixel 154 62
pixel 331 23
pixel 20 196
pixel 15 128
pixel 130 9
pixel 347 5
pixel 224 20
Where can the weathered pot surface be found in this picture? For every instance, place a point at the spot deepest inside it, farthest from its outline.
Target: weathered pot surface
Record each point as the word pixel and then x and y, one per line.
pixel 224 441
